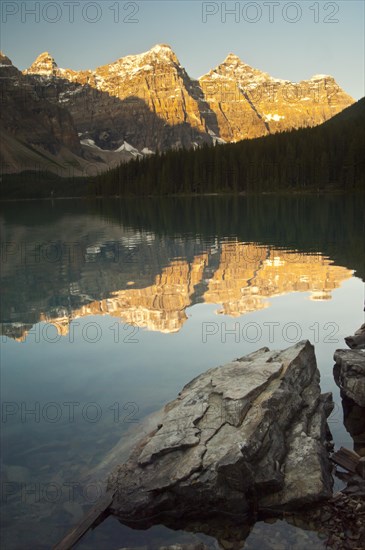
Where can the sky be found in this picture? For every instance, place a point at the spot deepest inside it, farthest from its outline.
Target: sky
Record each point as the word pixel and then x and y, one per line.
pixel 289 40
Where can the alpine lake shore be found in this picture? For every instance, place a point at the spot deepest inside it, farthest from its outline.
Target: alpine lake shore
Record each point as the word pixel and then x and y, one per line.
pixel 245 442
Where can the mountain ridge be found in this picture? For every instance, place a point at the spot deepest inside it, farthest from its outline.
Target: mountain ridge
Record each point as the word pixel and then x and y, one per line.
pixel 156 49
pixel 232 101
pixel 147 102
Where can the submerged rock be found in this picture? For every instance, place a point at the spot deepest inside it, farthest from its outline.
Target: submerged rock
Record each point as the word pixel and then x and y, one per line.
pixel 242 438
pixel 349 374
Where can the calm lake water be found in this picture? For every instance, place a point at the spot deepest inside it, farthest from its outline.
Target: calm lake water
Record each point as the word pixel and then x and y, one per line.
pixel 109 307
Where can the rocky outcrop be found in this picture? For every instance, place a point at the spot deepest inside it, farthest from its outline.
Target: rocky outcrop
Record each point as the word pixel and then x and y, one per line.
pixel 357 341
pixel 354 422
pixel 349 373
pixel 349 370
pixel 248 436
pixel 149 101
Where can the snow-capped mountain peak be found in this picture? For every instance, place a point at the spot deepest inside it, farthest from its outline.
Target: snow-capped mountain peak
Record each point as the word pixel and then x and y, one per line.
pixel 43 65
pixel 129 65
pixel 163 49
pixel 159 52
pixel 232 58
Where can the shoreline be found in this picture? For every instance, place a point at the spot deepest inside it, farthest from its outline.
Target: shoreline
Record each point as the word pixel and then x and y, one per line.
pixel 290 194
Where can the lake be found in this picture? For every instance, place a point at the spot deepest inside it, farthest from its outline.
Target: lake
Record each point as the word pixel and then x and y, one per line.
pixel 109 307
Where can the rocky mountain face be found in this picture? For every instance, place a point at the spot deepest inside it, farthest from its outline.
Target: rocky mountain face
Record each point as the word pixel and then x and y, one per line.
pixel 249 103
pixel 29 124
pixel 148 102
pixel 39 133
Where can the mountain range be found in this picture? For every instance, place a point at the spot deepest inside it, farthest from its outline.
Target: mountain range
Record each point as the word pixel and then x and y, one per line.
pixel 82 122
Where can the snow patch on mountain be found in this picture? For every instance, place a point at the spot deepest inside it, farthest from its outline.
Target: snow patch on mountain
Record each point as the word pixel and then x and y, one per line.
pixel 218 141
pixel 275 117
pixel 125 147
pixel 132 64
pixel 320 76
pixel 129 148
pixel 90 143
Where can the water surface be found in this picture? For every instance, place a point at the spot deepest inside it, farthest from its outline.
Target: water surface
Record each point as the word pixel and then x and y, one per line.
pixel 109 307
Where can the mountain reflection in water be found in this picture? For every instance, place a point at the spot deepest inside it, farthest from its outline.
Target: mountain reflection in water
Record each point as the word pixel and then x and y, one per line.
pixel 239 276
pixel 129 260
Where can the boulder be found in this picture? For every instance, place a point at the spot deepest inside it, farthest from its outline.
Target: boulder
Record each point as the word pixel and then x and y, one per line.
pixel 357 341
pixel 349 374
pixel 245 437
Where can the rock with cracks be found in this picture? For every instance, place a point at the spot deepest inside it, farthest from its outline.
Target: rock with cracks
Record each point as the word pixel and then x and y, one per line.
pixel 245 437
pixel 349 373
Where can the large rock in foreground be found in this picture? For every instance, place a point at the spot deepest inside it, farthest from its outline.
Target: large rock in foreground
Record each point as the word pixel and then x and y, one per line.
pixel 249 435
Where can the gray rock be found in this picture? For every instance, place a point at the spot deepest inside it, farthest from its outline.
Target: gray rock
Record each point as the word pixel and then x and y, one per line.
pixel 357 341
pixel 245 436
pixel 349 374
pixel 354 422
